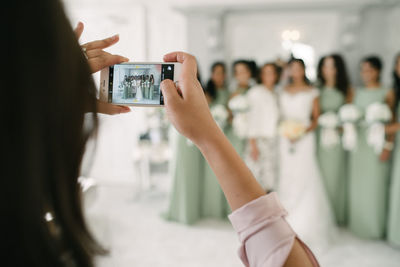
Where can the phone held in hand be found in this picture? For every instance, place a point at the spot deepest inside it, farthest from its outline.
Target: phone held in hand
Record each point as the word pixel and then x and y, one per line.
pixel 136 83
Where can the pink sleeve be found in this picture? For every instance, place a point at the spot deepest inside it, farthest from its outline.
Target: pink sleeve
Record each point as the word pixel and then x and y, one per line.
pixel 266 238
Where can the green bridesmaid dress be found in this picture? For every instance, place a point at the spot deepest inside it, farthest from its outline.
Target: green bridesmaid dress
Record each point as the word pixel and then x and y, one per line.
pixel 368 178
pixel 393 233
pixel 238 143
pixel 186 170
pixel 332 160
pixel 214 204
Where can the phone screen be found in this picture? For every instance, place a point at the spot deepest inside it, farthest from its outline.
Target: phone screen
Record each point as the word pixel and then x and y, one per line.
pixel 138 83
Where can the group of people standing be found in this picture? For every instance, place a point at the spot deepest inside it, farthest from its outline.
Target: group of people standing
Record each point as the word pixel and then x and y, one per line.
pixel 138 87
pixel 328 149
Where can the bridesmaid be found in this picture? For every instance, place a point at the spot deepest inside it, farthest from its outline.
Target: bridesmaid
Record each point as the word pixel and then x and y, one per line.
pixel 393 233
pixel 261 150
pixel 243 75
pixel 186 169
pixel 334 92
pixel 368 172
pixel 214 203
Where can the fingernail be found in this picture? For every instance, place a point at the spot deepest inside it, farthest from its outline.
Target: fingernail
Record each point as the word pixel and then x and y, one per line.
pixel 126 59
pixel 114 37
pixel 125 110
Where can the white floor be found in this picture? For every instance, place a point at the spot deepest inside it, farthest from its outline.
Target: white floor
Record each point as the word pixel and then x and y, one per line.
pixel 128 223
pixel 127 220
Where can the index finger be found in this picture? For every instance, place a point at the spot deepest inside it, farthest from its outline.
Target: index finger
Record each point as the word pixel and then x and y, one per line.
pixel 189 64
pixel 78 30
pixel 101 44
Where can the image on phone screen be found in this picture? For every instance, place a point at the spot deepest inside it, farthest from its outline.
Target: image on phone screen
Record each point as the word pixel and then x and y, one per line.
pixel 138 83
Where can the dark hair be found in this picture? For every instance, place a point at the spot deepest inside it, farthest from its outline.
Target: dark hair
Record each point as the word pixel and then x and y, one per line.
pixel 396 80
pixel 375 63
pixel 301 62
pixel 342 79
pixel 210 88
pixel 218 64
pixel 253 69
pixel 244 62
pixel 44 139
pixel 278 71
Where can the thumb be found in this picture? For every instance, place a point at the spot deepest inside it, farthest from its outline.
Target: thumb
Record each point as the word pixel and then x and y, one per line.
pixel 170 92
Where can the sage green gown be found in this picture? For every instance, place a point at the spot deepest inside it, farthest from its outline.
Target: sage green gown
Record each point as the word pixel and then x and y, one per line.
pixel 186 170
pixel 368 178
pixel 238 143
pixel 332 160
pixel 393 233
pixel 214 204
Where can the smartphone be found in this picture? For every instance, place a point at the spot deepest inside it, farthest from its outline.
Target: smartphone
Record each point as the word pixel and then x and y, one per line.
pixel 136 83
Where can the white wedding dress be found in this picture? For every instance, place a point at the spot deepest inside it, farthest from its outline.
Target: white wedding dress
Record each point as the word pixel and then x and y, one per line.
pixel 300 186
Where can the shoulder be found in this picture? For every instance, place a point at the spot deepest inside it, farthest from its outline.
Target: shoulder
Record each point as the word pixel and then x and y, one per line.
pixel 312 91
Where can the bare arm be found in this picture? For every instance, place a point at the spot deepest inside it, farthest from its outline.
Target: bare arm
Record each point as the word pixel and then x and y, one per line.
pixel 390 135
pixel 191 117
pixel 350 96
pixel 314 115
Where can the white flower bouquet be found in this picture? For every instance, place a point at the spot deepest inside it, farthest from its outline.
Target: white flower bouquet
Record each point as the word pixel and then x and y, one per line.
pixel 349 114
pixel 239 124
pixel 378 112
pixel 239 104
pixel 376 115
pixel 329 122
pixel 292 129
pixel 220 115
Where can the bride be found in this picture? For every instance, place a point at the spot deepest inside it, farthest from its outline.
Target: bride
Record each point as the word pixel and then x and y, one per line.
pixel 300 185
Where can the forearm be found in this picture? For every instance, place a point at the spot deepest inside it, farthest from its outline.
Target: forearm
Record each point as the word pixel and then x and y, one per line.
pixel 236 180
pixel 312 127
pixel 392 129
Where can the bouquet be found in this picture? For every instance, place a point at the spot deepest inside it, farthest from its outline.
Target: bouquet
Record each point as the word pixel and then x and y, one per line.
pixel 239 104
pixel 349 114
pixel 239 125
pixel 220 115
pixel 329 122
pixel 377 114
pixel 292 129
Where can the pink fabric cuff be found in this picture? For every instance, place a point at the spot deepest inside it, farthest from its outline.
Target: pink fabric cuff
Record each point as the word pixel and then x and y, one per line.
pixel 266 238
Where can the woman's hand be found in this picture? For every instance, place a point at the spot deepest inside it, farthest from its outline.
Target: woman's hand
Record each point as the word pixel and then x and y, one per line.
pixel 385 155
pixel 99 59
pixel 186 105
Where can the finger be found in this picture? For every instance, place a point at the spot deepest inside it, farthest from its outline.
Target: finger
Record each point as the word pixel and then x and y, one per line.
pixel 79 30
pixel 170 93
pixel 189 64
pixel 111 109
pixel 94 53
pixel 101 44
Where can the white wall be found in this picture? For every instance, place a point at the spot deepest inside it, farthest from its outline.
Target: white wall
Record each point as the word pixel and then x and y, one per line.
pixel 353 30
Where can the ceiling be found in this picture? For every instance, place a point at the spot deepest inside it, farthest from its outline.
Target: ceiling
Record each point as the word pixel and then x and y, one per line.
pixel 235 3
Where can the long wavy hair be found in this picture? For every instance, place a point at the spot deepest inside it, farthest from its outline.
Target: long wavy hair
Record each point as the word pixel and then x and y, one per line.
pixel 396 80
pixel 342 82
pixel 47 90
pixel 210 87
